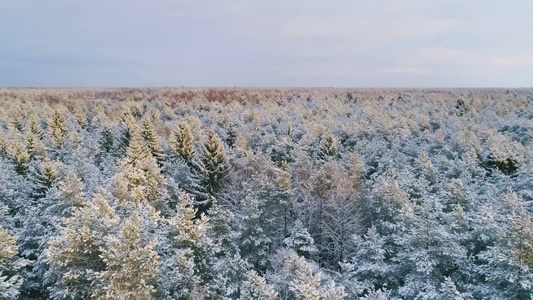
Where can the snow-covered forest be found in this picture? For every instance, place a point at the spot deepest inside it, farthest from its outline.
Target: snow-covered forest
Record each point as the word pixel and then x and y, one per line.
pixel 197 193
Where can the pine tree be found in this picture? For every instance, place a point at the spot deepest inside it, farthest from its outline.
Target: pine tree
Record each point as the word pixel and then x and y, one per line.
pixel 228 266
pixel 106 140
pixel 307 286
pixel 428 250
pixel 186 269
pixel 329 147
pixel 371 267
pixel 34 128
pixel 182 142
pixel 507 264
pixel 10 281
pixel 35 146
pixel 286 200
pixel 140 177
pixel 128 126
pixel 150 138
pixel 255 242
pixel 213 171
pixel 131 264
pixel 231 136
pixel 58 130
pixel 300 241
pixel 21 157
pixel 255 288
pixel 75 257
pixel 45 177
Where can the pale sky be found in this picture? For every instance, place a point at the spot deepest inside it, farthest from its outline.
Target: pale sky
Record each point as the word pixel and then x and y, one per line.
pixel 390 43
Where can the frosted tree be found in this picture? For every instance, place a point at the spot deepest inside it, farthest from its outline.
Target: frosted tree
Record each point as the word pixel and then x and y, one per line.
pixel 428 251
pixel 45 176
pixel 227 266
pixel 370 268
pixel 34 128
pixel 106 140
pixel 256 288
pixel 75 256
pixel 186 268
pixel 58 129
pixel 231 136
pixel 128 126
pixel 21 157
pixel 10 280
pixel 254 240
pixel 182 142
pixel 301 241
pixel 507 265
pixel 214 169
pixel 293 278
pixel 131 264
pixel 35 146
pixel 328 149
pixel 307 285
pixel 286 200
pixel 139 178
pixel 150 137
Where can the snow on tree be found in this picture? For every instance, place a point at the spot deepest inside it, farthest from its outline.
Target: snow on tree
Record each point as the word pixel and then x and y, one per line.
pixel 57 129
pixel 139 178
pixel 403 198
pixel 214 169
pixel 254 240
pixel 255 288
pixel 131 263
pixel 228 266
pixel 75 256
pixel 508 264
pixel 151 140
pixel 35 146
pixel 45 176
pixel 428 251
pixel 307 286
pixel 21 157
pixel 106 140
pixel 10 280
pixel 328 148
pixel 286 201
pixel 300 241
pixel 231 136
pixel 182 142
pixel 370 268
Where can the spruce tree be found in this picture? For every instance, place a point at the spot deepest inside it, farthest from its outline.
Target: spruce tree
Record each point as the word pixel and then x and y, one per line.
pixel 301 241
pixel 256 288
pixel 35 146
pixel 215 168
pixel 139 178
pixel 75 256
pixel 328 148
pixel 182 142
pixel 149 135
pixel 10 280
pixel 58 130
pixel 131 264
pixel 106 140
pixel 45 176
pixel 21 157
pixel 231 136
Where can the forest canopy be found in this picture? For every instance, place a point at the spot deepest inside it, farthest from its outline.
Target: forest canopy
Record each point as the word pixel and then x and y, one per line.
pixel 234 193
